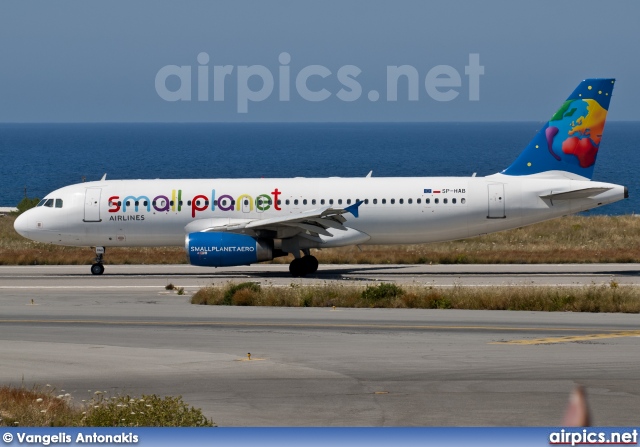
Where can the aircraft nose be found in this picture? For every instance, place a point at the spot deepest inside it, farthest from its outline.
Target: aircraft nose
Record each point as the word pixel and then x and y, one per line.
pixel 21 225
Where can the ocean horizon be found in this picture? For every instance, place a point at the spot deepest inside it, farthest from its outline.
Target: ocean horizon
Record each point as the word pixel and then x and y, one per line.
pixel 41 157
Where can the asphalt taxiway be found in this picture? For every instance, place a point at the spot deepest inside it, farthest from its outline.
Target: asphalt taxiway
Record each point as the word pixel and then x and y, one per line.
pixel 151 276
pixel 123 332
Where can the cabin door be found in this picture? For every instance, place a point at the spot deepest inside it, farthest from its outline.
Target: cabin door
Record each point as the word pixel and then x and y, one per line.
pixel 92 205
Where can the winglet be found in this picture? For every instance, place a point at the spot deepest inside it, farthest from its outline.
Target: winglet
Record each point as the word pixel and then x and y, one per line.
pixel 104 177
pixel 353 209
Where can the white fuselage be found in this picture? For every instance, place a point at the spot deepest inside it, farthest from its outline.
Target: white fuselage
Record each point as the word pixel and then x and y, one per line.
pixel 395 210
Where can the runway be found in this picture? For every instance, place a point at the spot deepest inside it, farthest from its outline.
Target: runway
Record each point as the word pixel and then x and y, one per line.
pixel 140 277
pixel 123 332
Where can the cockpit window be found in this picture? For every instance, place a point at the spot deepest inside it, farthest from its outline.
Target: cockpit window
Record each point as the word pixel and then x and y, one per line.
pixel 58 203
pixel 49 203
pixel 41 202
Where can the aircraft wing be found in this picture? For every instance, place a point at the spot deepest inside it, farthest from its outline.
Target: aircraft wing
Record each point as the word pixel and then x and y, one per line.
pixel 316 222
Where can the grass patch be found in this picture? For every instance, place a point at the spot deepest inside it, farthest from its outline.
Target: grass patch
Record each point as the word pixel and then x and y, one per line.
pixel 383 293
pixel 565 240
pixel 41 407
pixel 610 297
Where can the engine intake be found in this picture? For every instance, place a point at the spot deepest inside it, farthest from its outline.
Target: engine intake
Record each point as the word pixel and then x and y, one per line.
pixel 226 249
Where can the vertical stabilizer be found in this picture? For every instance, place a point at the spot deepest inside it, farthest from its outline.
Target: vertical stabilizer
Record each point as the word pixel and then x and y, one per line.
pixel 570 140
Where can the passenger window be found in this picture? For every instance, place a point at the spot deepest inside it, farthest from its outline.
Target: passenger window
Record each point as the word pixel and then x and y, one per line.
pixel 279 202
pixel 330 201
pixel 366 201
pixel 58 203
pixel 170 202
pixel 295 202
pixel 348 201
pixel 147 203
pixel 339 201
pixel 246 202
pixel 286 202
pixel 197 202
pixel 375 201
pixel 410 201
pixel 206 203
pixel 313 201
pixel 436 201
pixel 463 200
pixel 384 201
pixel 453 201
pixel 393 201
pixel 215 202
pixel 322 202
pixel 304 202
pixel 233 202
pixel 420 201
pixel 445 200
pixel 137 203
pixel 401 201
pixel 427 201
pixel 127 203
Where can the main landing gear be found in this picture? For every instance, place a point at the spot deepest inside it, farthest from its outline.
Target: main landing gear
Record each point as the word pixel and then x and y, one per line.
pixel 98 268
pixel 303 266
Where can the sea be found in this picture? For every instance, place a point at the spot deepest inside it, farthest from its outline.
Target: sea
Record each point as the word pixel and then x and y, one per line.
pixel 36 159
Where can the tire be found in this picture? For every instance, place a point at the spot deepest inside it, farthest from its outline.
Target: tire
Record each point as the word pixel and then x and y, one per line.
pixel 297 267
pixel 97 269
pixel 310 264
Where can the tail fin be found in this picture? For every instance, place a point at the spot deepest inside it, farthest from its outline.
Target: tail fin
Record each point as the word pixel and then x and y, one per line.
pixel 569 142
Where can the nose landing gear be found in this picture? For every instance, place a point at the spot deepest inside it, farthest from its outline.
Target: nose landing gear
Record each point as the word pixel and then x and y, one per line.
pixel 98 268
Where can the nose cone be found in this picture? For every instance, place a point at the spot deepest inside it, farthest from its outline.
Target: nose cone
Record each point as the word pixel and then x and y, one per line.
pixel 21 225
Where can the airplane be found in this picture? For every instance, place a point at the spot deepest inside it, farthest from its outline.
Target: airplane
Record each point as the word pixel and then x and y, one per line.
pixel 230 222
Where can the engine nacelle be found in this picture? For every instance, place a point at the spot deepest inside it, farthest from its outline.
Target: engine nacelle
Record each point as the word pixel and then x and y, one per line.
pixel 226 249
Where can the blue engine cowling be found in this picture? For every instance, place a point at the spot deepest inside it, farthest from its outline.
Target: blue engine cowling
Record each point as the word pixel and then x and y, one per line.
pixel 226 249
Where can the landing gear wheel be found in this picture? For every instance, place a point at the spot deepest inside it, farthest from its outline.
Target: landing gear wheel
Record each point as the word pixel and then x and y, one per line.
pixel 310 263
pixel 97 269
pixel 303 266
pixel 297 267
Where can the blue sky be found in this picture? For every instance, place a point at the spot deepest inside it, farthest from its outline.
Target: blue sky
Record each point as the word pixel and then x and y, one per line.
pixel 78 61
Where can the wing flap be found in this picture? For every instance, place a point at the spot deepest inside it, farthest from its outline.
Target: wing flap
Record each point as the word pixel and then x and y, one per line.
pixel 311 228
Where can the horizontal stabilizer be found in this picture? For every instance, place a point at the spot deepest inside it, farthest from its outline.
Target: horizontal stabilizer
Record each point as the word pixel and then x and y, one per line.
pixel 577 194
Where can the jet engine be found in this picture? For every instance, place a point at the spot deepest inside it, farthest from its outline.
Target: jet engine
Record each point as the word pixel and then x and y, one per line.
pixel 218 249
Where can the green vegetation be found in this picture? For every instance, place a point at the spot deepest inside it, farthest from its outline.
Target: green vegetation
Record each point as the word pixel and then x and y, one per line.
pixel 38 407
pixel 382 291
pixel 610 297
pixel 566 240
pixel 145 411
pixel 26 204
